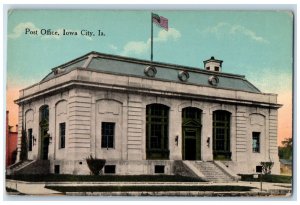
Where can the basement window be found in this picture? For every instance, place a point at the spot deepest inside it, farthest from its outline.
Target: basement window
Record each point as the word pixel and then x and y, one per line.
pixel 56 169
pixel 159 169
pixel 110 169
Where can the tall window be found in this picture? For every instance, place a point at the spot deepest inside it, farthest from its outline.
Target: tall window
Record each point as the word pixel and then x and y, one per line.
pixel 30 139
pixel 221 134
pixel 256 142
pixel 62 135
pixel 157 125
pixel 44 114
pixel 108 132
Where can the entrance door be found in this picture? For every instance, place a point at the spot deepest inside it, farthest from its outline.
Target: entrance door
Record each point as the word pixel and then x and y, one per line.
pixel 45 143
pixel 44 136
pixel 190 143
pixel 191 134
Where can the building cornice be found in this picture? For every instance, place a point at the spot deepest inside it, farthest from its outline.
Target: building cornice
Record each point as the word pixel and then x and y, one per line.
pixel 76 81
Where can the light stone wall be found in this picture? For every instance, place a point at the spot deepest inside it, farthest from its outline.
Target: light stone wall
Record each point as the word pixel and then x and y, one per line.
pixel 244 121
pixel 84 108
pixel 61 116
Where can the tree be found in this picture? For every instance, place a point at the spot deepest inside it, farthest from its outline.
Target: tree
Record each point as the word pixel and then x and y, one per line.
pixel 266 167
pixel 286 150
pixel 23 154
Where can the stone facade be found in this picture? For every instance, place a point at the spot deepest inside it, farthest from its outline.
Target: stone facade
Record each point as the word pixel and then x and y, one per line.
pixel 83 98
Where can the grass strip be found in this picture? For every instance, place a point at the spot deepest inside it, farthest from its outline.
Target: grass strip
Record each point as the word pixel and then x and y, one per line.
pixel 65 189
pixel 103 178
pixel 267 178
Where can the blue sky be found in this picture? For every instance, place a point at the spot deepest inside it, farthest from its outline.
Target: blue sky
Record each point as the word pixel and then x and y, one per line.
pixel 255 44
pixel 247 42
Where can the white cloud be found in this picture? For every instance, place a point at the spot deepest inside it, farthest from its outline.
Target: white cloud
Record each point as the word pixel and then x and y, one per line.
pixel 215 29
pixel 20 29
pixel 251 34
pixel 135 47
pixel 164 35
pixel 140 47
pixel 222 27
pixel 113 47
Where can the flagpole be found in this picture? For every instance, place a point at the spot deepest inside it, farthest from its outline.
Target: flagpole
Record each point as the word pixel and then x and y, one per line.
pixel 151 36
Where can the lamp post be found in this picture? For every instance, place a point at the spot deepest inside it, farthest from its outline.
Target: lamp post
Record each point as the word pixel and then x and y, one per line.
pixel 259 170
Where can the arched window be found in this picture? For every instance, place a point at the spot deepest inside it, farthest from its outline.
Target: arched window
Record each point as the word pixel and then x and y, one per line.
pixel 157 131
pixel 44 114
pixel 221 135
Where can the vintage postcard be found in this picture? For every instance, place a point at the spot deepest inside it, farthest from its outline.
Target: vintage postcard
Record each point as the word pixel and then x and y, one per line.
pixel 149 103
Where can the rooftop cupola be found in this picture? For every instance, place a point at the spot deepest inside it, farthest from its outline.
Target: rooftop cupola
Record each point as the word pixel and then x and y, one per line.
pixel 213 64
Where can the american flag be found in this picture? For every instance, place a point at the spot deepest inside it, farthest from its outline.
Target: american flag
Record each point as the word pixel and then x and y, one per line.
pixel 160 21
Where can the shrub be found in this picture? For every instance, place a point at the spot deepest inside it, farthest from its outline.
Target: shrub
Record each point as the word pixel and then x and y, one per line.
pixel 95 165
pixel 266 167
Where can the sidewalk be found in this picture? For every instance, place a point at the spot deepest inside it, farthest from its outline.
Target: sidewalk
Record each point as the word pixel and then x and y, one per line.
pixel 38 188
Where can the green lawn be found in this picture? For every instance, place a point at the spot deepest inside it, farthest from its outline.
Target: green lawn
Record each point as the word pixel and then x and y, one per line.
pixel 104 178
pixel 268 178
pixel 156 188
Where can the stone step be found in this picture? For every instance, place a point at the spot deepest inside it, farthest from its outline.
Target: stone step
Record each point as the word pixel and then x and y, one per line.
pixel 212 172
pixel 31 167
pixel 17 166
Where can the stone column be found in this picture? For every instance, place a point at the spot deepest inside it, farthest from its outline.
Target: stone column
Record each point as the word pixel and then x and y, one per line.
pixel 175 134
pixel 93 127
pixel 206 136
pixel 136 120
pixel 36 132
pixel 52 131
pixel 19 132
pixel 273 149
